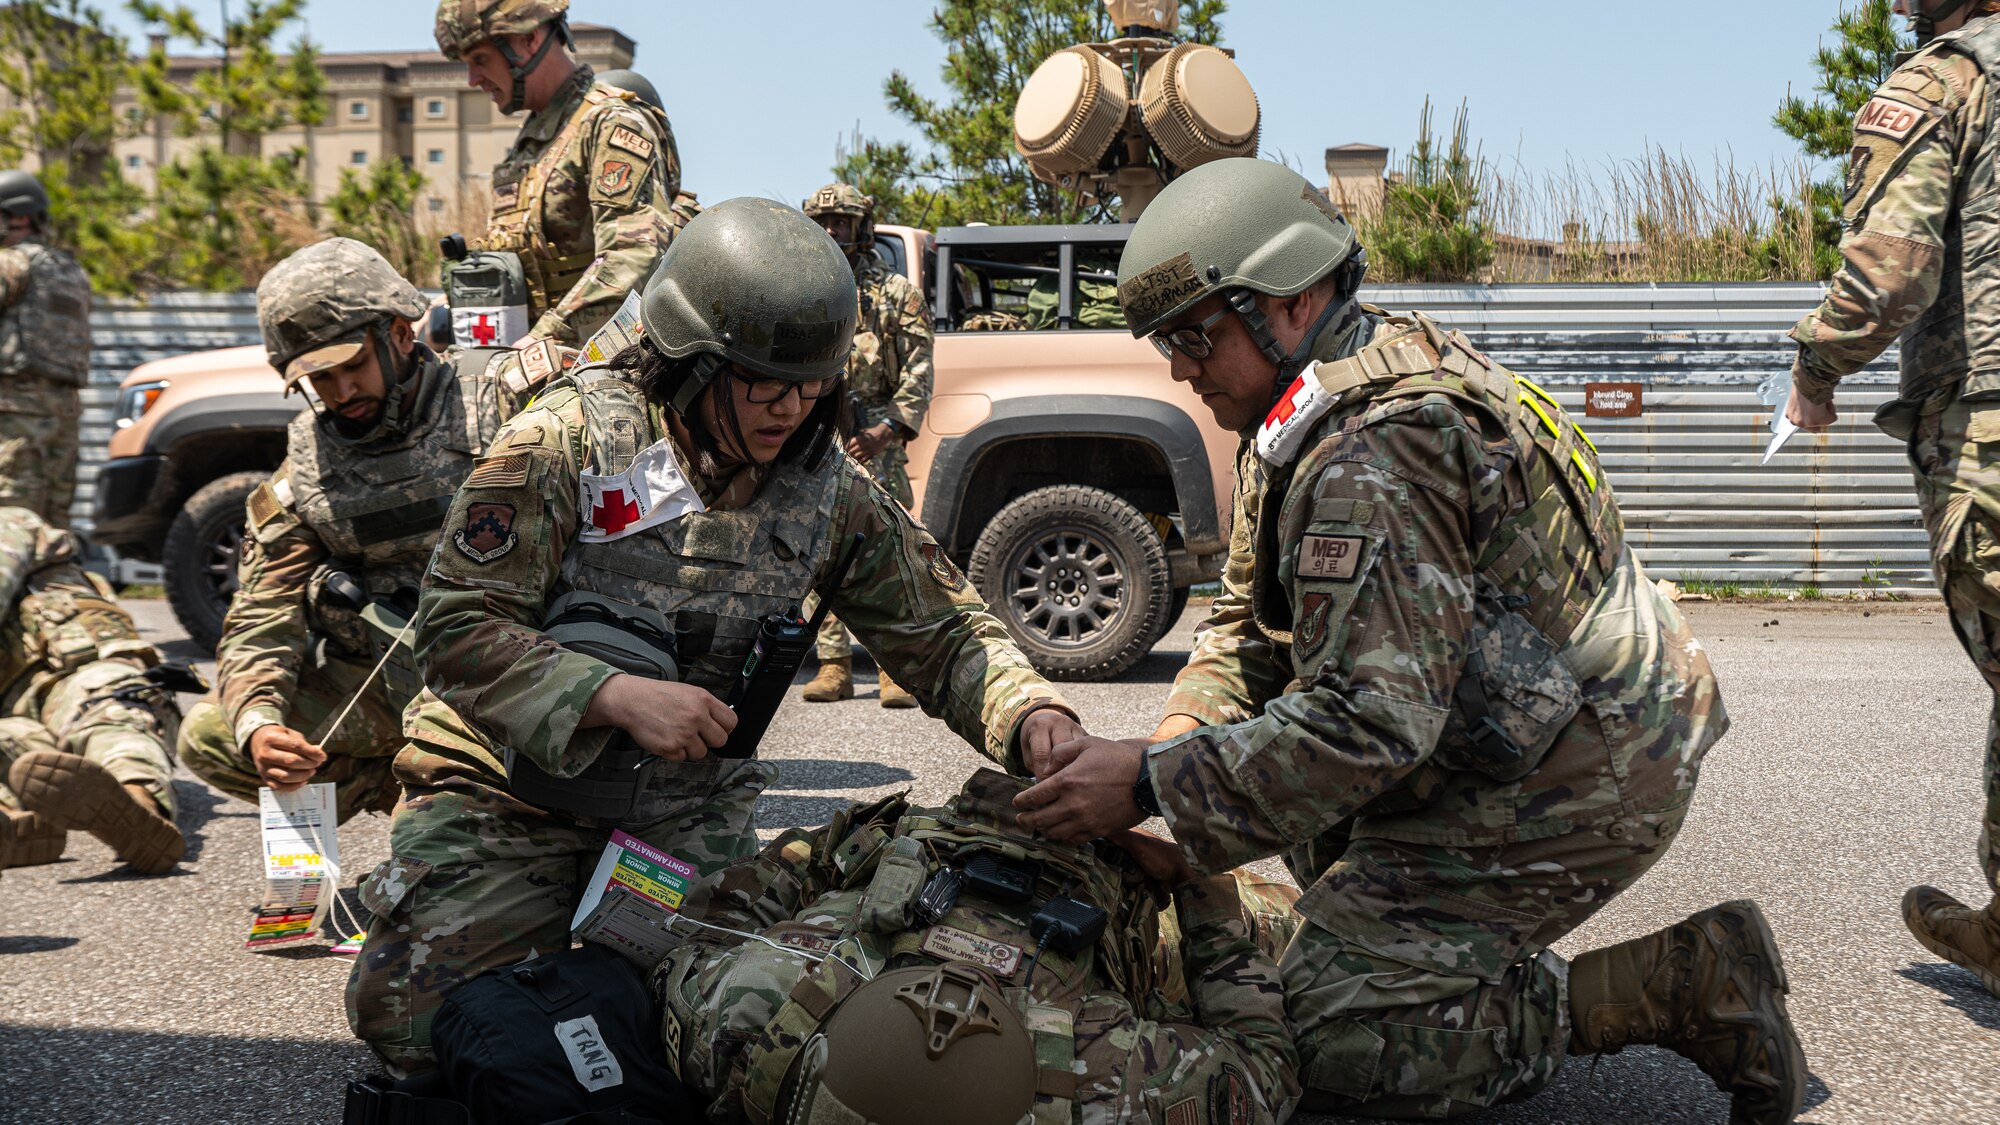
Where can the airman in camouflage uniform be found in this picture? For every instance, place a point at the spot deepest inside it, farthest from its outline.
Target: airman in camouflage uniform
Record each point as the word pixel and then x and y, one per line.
pixel 721 423
pixel 1926 159
pixel 1113 1042
pixel 83 730
pixel 44 355
pixel 585 196
pixel 346 524
pixel 890 377
pixel 1436 680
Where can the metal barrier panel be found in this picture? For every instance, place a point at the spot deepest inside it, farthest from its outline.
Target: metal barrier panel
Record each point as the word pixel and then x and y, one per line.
pixel 1837 510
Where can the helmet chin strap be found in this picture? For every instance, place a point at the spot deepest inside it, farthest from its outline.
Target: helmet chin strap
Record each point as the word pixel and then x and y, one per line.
pixel 516 69
pixel 1924 16
pixel 1244 302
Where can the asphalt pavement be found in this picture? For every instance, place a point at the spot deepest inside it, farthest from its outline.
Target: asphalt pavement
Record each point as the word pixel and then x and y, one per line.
pixel 1851 772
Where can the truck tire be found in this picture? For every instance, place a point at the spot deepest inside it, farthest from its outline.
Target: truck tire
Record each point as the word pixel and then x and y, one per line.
pixel 200 553
pixel 1079 577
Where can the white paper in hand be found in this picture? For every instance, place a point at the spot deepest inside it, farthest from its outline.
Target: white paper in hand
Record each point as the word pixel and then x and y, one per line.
pixel 1776 392
pixel 1782 429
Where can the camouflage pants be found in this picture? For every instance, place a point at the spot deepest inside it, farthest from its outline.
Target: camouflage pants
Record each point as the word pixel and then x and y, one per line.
pixel 1956 452
pixel 73 715
pixel 478 879
pixel 1421 983
pixel 891 467
pixel 38 457
pixel 359 757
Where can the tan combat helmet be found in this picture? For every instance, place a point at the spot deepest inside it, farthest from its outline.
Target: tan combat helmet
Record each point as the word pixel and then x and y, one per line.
pixel 318 308
pixel 465 24
pixel 845 199
pixel 915 1046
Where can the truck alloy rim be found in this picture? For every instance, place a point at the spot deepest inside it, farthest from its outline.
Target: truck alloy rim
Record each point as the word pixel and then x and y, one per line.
pixel 1068 587
pixel 225 550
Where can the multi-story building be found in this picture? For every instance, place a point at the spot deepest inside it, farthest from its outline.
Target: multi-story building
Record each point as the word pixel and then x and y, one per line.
pixel 412 106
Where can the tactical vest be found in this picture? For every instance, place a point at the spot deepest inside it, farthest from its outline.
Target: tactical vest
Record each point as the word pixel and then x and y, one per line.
pixel 551 270
pixel 874 369
pixel 46 334
pixel 713 575
pixel 888 852
pixel 381 504
pixel 1540 573
pixel 1958 336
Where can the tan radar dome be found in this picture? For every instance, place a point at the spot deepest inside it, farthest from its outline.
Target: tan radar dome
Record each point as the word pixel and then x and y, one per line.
pixel 1198 106
pixel 1069 112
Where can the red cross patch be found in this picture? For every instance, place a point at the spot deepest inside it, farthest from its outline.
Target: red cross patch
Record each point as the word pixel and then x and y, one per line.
pixel 616 513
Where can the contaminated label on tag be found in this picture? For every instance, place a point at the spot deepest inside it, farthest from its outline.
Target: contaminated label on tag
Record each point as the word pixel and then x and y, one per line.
pixel 958 945
pixel 590 1058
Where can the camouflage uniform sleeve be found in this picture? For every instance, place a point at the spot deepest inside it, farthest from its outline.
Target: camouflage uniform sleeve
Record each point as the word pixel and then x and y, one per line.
pixel 265 634
pixel 478 635
pixel 1902 186
pixel 628 165
pixel 1234 667
pixel 912 316
pixel 14 268
pixel 1377 646
pixel 914 611
pixel 1234 1065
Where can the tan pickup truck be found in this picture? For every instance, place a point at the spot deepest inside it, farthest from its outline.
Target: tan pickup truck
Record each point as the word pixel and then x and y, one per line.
pixel 1082 490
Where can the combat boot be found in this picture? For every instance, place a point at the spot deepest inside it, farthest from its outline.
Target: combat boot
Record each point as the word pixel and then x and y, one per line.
pixel 1956 932
pixel 834 682
pixel 1711 989
pixel 891 694
pixel 75 792
pixel 35 839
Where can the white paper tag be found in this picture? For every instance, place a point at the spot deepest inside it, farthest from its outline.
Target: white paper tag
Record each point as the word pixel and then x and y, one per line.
pixel 590 1057
pixel 1284 430
pixel 652 491
pixel 488 326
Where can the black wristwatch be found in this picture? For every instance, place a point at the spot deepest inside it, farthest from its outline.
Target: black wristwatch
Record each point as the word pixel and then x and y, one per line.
pixel 1142 787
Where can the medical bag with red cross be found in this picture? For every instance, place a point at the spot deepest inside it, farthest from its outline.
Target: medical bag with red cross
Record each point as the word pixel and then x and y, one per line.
pixel 488 294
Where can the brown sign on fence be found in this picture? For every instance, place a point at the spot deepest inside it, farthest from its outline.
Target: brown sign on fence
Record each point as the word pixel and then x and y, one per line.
pixel 1613 400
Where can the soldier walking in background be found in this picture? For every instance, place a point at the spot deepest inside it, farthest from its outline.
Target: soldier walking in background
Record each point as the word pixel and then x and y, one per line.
pixel 889 375
pixel 348 521
pixel 1436 680
pixel 44 354
pixel 1921 260
pixel 84 729
pixel 585 195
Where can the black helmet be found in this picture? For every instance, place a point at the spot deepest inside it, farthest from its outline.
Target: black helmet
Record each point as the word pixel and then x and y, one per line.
pixel 21 194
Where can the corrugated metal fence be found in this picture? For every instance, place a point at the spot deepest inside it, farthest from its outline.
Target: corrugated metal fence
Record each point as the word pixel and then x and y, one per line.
pixel 1837 510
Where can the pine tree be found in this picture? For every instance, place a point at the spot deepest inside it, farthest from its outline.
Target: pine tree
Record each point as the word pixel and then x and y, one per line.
pixel 968 159
pixel 1429 227
pixel 1849 73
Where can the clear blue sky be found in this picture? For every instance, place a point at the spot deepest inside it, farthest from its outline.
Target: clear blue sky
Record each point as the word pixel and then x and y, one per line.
pixel 760 91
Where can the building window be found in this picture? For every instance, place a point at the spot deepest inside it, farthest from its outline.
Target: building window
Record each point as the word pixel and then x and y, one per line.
pixel 357 110
pixel 435 156
pixel 402 115
pixel 132 161
pixel 436 204
pixel 357 157
pixel 434 108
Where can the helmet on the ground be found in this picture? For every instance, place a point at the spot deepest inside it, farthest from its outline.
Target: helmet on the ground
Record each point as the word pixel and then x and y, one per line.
pixel 317 307
pixel 845 199
pixel 755 283
pixel 1231 225
pixel 465 24
pixel 910 1044
pixel 22 194
pixel 635 82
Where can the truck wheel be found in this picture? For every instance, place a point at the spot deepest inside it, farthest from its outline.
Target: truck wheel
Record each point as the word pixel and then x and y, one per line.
pixel 1078 577
pixel 200 554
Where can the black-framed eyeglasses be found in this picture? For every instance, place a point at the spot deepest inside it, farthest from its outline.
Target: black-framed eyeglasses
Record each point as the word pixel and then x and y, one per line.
pixel 766 391
pixel 1192 341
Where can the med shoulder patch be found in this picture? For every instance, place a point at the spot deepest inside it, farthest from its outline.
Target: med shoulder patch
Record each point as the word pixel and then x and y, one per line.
pixel 1887 117
pixel 631 140
pixel 1330 557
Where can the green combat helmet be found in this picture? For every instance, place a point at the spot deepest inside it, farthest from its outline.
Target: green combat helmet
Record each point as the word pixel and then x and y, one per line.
pixel 635 83
pixel 845 199
pixel 318 308
pixel 757 284
pixel 1925 14
pixel 22 194
pixel 465 24
pixel 1234 228
pixel 915 1046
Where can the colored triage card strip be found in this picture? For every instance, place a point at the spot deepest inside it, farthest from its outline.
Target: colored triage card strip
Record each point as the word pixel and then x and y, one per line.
pixel 631 899
pixel 301 851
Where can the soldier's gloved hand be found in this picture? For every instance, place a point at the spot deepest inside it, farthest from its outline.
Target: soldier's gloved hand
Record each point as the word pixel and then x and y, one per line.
pixel 284 759
pixel 678 722
pixel 1090 794
pixel 1812 417
pixel 1041 732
